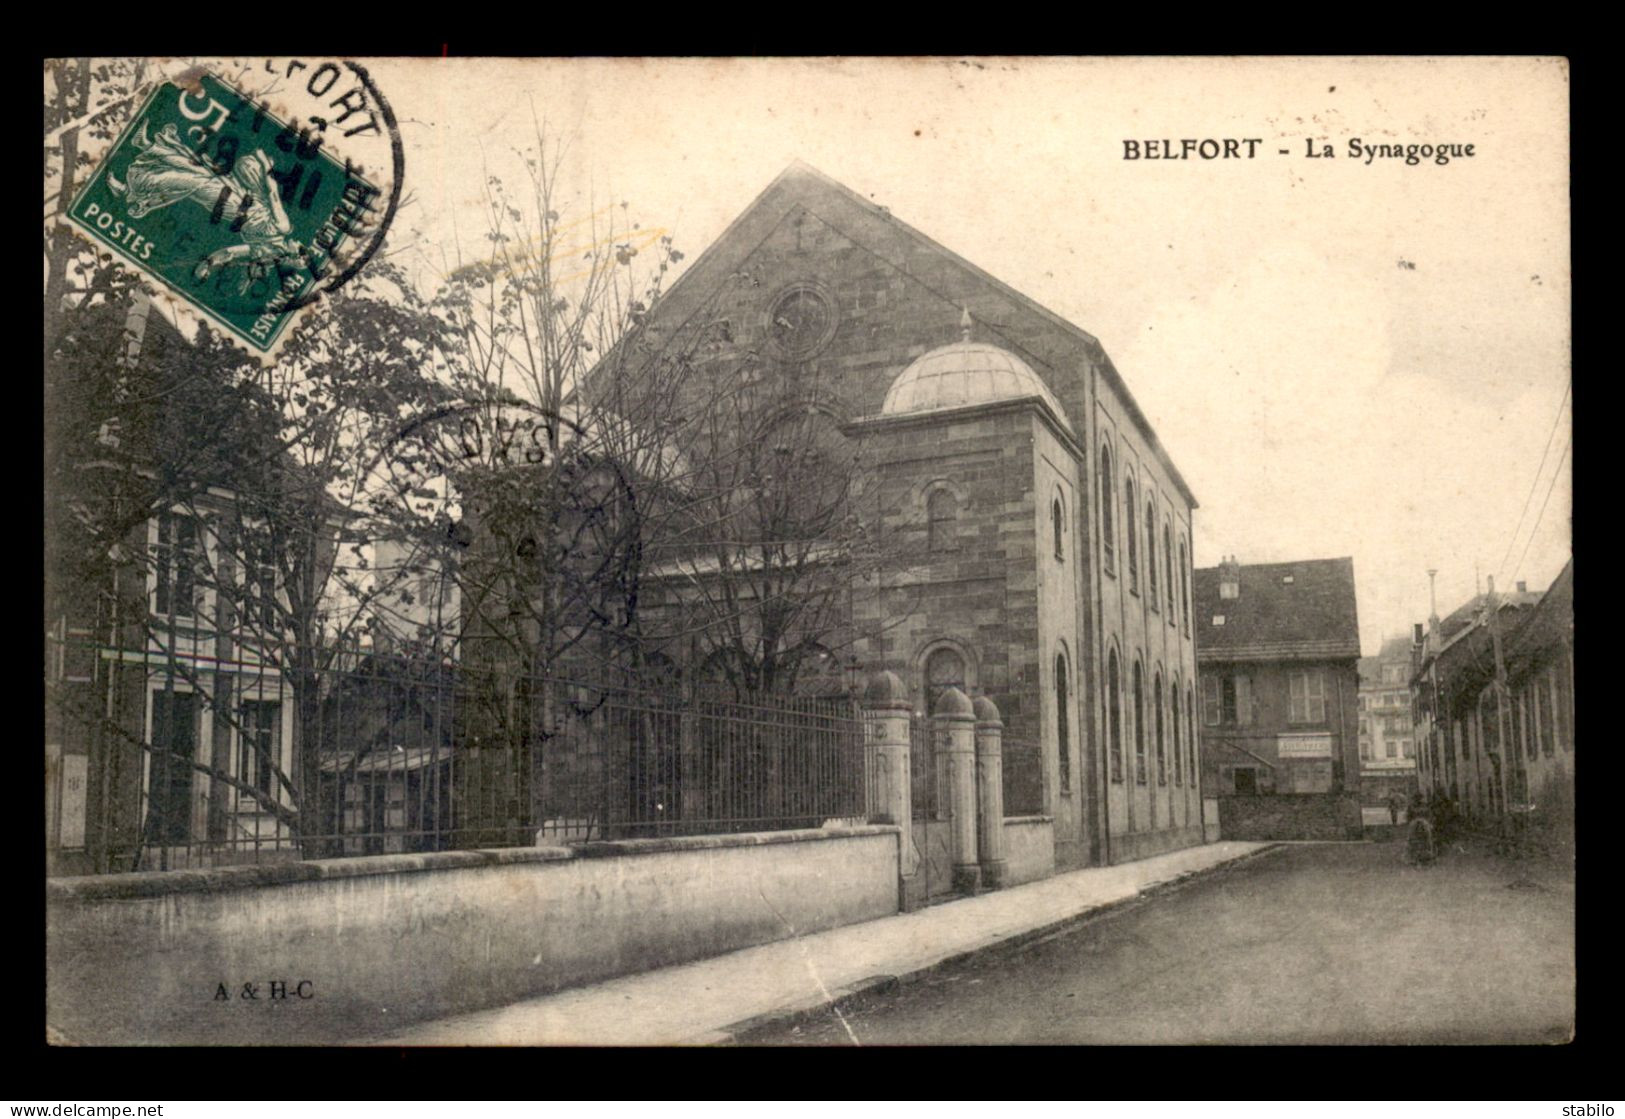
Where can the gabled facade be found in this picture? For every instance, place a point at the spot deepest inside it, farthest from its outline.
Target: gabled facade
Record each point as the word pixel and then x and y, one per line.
pixel 1278 647
pixel 1049 531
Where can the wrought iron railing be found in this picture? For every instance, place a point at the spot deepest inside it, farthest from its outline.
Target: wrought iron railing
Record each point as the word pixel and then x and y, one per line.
pixel 220 766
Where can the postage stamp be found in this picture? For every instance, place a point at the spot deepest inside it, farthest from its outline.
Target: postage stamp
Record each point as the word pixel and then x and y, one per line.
pixel 245 213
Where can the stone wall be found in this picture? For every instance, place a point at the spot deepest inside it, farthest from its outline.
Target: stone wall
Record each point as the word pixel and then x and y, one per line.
pixel 1302 816
pixel 313 952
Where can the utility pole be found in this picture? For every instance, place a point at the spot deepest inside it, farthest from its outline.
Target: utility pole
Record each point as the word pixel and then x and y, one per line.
pixel 1500 697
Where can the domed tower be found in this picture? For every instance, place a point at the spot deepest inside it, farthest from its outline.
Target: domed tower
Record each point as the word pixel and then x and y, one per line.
pixel 976 461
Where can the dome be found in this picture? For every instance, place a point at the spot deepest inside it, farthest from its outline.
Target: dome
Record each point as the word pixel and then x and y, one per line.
pixel 962 374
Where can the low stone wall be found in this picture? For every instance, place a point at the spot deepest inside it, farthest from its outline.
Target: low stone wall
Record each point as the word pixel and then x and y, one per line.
pixel 1290 816
pixel 1029 848
pixel 335 949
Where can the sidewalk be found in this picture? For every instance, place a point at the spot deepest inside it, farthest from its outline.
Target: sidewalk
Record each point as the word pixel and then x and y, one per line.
pixel 711 1001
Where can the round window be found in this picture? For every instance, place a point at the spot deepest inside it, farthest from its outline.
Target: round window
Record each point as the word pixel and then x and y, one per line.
pixel 802 321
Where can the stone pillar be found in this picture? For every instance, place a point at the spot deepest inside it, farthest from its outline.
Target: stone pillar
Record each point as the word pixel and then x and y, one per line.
pixel 955 728
pixel 886 711
pixel 990 793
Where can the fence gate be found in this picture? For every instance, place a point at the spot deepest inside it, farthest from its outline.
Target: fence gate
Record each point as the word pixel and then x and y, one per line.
pixel 932 824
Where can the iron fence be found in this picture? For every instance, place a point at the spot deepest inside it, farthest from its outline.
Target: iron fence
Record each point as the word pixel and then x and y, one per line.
pixel 235 761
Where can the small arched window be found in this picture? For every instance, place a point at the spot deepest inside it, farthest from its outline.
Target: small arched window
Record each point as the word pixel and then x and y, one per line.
pixel 1114 715
pixel 1062 737
pixel 1108 530
pixel 944 669
pixel 1133 536
pixel 1162 754
pixel 1151 551
pixel 941 520
pixel 1139 725
pixel 1058 524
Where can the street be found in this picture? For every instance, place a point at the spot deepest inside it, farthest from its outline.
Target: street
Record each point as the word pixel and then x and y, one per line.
pixel 1308 944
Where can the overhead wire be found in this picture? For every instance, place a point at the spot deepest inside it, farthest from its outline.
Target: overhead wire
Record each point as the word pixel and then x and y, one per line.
pixel 1556 474
pixel 1534 483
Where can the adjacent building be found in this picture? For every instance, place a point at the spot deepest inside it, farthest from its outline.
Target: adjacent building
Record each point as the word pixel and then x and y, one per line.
pixel 1278 647
pixel 170 727
pixel 1494 687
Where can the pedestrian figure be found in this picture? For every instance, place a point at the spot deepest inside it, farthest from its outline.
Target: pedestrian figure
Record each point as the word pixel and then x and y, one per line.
pixel 1393 809
pixel 1419 849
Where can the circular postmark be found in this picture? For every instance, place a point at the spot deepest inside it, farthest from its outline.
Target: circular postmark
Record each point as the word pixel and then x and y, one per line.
pixel 542 492
pixel 323 124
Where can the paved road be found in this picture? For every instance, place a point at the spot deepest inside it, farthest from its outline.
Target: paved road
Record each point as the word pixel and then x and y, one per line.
pixel 1310 944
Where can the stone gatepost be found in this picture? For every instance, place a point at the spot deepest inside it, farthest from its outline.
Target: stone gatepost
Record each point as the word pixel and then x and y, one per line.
pixel 990 793
pixel 886 713
pixel 955 727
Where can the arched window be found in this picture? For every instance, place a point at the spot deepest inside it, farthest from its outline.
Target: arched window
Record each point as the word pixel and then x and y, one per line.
pixel 1151 551
pixel 1173 727
pixel 1061 724
pixel 1133 536
pixel 1108 530
pixel 944 669
pixel 1162 756
pixel 1114 715
pixel 1139 725
pixel 1184 583
pixel 1058 517
pixel 1190 728
pixel 1168 560
pixel 941 514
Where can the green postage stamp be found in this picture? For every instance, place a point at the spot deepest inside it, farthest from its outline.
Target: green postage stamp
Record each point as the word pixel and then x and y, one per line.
pixel 245 216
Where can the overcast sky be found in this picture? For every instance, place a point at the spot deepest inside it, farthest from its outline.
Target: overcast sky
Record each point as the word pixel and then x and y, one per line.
pixel 1341 359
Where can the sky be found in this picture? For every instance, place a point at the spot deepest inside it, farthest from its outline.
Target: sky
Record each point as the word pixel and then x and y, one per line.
pixel 1342 359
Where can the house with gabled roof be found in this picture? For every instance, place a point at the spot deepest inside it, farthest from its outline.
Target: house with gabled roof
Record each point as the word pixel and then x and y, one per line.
pixel 1278 648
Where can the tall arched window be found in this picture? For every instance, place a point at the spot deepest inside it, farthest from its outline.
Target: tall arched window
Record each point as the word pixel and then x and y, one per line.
pixel 1190 728
pixel 1151 551
pixel 1139 725
pixel 1168 561
pixel 941 515
pixel 1108 530
pixel 1133 536
pixel 1062 738
pixel 1173 727
pixel 1162 755
pixel 1058 519
pixel 1184 583
pixel 1114 715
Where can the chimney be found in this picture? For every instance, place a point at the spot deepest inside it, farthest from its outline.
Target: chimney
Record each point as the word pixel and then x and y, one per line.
pixel 1230 578
pixel 1523 586
pixel 1416 634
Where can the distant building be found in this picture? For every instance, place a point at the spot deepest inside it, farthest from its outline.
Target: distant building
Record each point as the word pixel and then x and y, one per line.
pixel 1502 754
pixel 1277 649
pixel 1387 740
